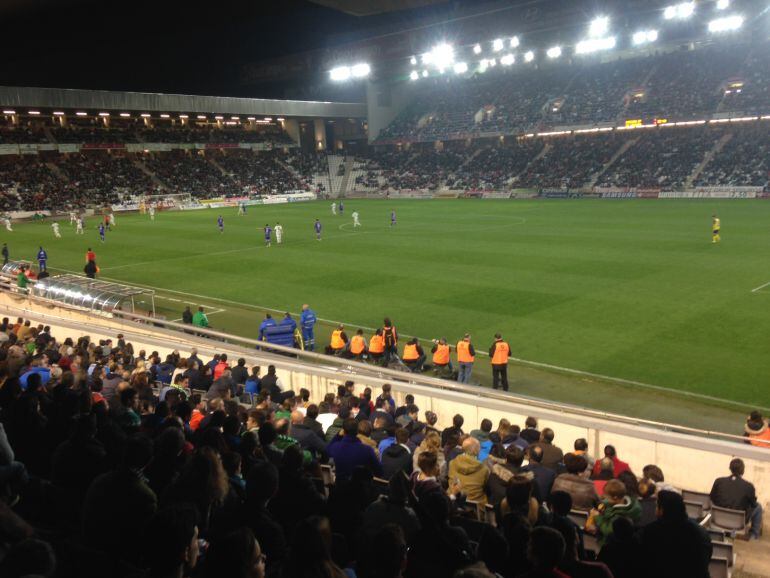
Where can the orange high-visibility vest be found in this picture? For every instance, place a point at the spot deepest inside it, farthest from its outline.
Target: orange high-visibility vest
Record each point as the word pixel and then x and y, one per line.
pixel 761 440
pixel 464 352
pixel 357 344
pixel 441 355
pixel 410 352
pixel 501 353
pixel 377 344
pixel 337 342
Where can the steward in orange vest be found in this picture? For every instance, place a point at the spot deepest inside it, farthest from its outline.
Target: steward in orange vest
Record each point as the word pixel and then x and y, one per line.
pixel 377 346
pixel 338 341
pixel 357 347
pixel 414 356
pixel 757 430
pixel 441 359
pixel 499 354
pixel 465 357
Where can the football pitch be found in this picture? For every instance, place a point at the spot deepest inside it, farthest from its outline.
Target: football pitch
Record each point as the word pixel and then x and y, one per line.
pixel 627 289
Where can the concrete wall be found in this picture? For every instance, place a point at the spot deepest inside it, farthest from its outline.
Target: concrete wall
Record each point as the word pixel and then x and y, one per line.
pixel 383 103
pixel 688 461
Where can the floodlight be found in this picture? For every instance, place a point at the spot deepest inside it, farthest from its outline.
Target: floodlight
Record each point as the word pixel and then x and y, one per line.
pixel 477 49
pixel 9 112
pixel 492 62
pixel 595 45
pixel 425 74
pixel 280 119
pixel 529 56
pixel 514 42
pixel 201 117
pixel 126 114
pixel 442 56
pixel 644 36
pixel 86 114
pixel 723 4
pixel 680 11
pixel 101 114
pixel 553 52
pixel 460 67
pixel 414 75
pixel 483 65
pixel 165 116
pixel 497 45
pixel 413 61
pixel 360 70
pixel 726 24
pixel 340 73
pixel 599 26
pixel 507 60
pixel 59 113
pixel 143 115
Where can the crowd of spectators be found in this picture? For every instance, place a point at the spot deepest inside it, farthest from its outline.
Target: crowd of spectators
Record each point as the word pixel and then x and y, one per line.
pixel 229 135
pixel 191 173
pixel 93 134
pixel 10 134
pixel 103 178
pixel 744 160
pixel 663 157
pixel 118 462
pixel 28 183
pixel 258 173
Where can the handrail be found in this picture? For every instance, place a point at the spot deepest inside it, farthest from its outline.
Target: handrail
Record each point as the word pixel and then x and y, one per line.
pixel 360 369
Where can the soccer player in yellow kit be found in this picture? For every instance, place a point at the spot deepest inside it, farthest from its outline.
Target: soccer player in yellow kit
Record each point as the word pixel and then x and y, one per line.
pixel 715 226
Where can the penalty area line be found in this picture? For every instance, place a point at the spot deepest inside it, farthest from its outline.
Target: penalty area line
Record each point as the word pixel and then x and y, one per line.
pixel 760 287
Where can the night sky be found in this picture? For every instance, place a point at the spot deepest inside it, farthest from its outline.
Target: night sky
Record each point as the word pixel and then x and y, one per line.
pixel 191 47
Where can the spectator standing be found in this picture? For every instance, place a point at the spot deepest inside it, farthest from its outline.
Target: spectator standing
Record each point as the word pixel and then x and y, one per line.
pixel 499 353
pixel 737 494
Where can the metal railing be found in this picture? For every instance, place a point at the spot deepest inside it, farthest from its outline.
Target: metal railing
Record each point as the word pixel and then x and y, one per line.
pixel 310 362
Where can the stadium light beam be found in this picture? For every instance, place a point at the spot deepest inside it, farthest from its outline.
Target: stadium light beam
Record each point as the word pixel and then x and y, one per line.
pixel 726 24
pixel 595 45
pixel 340 73
pixel 477 49
pixel 497 45
pixel 644 37
pixel 360 70
pixel 553 52
pixel 460 67
pixel 514 43
pixel 723 4
pixel 507 60
pixel 599 26
pixel 442 56
pixel 425 74
pixel 414 75
pixel 529 56
pixel 679 11
pixel 413 61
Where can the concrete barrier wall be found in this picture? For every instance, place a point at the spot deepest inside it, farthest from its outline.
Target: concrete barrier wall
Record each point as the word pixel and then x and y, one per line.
pixel 688 461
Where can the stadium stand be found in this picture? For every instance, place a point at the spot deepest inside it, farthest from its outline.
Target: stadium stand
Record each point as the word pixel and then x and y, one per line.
pixel 105 448
pixel 191 173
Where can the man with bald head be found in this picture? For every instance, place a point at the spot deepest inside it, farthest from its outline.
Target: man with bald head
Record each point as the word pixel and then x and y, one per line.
pixel 467 472
pixel 306 437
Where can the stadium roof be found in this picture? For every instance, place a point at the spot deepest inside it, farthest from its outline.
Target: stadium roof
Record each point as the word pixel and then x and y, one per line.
pixel 150 102
pixel 371 7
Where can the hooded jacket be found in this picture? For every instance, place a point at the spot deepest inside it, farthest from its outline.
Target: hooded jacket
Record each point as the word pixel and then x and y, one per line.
pixel 484 441
pixel 395 459
pixel 473 476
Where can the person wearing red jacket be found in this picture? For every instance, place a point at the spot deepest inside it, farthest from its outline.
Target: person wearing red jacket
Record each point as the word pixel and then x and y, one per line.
pixel 619 466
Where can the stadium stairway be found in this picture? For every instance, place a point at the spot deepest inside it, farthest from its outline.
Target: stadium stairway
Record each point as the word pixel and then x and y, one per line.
pixel 544 151
pixel 345 185
pixel 57 171
pixel 618 153
pixel 718 146
pixel 153 177
pixel 219 167
pixel 48 134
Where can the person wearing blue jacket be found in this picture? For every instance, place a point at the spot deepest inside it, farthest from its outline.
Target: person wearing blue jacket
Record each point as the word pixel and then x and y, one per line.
pixel 307 321
pixel 268 322
pixel 287 320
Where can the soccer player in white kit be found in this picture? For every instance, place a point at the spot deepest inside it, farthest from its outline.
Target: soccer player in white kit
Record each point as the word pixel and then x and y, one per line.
pixel 112 219
pixel 278 233
pixel 152 212
pixel 356 222
pixel 79 229
pixel 334 208
pixel 56 233
pixel 241 209
pixel 7 222
pixel 73 217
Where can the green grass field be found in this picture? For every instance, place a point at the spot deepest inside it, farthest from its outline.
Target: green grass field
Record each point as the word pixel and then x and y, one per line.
pixel 630 289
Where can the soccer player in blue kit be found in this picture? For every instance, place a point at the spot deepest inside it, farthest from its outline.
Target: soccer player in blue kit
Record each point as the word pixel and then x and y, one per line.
pixel 392 218
pixel 42 259
pixel 221 224
pixel 317 227
pixel 268 233
pixel 342 208
pixel 101 232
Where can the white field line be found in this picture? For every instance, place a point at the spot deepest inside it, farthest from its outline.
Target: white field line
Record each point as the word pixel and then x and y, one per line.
pixel 479 353
pixel 760 287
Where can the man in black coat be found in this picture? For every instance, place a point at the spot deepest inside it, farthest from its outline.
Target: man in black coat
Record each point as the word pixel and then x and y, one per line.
pixel 737 494
pixel 307 438
pixel 397 457
pixel 544 477
pixel 673 545
pixel 310 421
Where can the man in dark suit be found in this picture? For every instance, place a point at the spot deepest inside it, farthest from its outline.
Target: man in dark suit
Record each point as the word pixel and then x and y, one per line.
pixel 737 494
